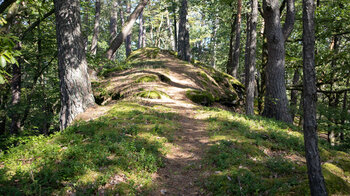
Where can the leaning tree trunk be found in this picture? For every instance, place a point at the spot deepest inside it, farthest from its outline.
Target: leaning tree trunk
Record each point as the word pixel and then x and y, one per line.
pixel 183 39
pixel 113 23
pixel 129 37
pixel 276 102
pixel 76 94
pixel 127 28
pixel 316 180
pixel 251 58
pixel 94 41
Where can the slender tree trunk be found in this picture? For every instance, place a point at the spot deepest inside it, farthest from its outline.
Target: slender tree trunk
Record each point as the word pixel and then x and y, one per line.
pixel 214 40
pixel 76 93
pixel 158 31
pixel 294 94
pixel 345 110
pixel 183 45
pixel 94 41
pixel 171 33
pixel 86 26
pixel 236 50
pixel 262 75
pixel 276 102
pixel 251 58
pixel 229 67
pixel 3 116
pixel 141 31
pixel 175 27
pixel 144 37
pixel 113 23
pixel 127 28
pixel 16 97
pixel 129 36
pixel 316 180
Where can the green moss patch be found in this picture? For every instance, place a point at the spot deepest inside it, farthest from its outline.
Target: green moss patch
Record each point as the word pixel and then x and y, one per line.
pixel 147 78
pixel 152 94
pixel 200 97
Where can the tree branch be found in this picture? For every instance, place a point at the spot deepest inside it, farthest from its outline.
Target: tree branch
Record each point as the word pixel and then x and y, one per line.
pixel 5 5
pixel 290 19
pixel 36 23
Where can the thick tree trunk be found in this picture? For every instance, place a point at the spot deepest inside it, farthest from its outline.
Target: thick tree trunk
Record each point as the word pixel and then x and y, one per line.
pixel 76 94
pixel 94 41
pixel 16 97
pixel 294 94
pixel 127 28
pixel 129 36
pixel 250 60
pixel 141 31
pixel 276 102
pixel 236 50
pixel 183 45
pixel 316 180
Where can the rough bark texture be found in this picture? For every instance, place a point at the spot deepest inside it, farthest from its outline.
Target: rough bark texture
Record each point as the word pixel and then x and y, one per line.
pixel 214 40
pixel 76 94
pixel 316 180
pixel 129 36
pixel 94 41
pixel 250 60
pixel 236 50
pixel 127 28
pixel 183 45
pixel 276 102
pixel 229 67
pixel 175 27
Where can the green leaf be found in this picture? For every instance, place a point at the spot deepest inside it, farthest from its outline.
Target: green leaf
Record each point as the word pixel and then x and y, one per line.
pixel 2 61
pixel 2 80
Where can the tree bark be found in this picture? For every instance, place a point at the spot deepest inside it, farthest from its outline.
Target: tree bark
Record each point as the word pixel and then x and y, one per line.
pixel 141 31
pixel 214 40
pixel 16 97
pixel 276 102
pixel 129 36
pixel 94 41
pixel 229 67
pixel 170 29
pixel 236 50
pixel 250 60
pixel 127 28
pixel 183 45
pixel 316 180
pixel 113 23
pixel 345 110
pixel 86 24
pixel 294 94
pixel 76 93
pixel 175 26
pixel 5 4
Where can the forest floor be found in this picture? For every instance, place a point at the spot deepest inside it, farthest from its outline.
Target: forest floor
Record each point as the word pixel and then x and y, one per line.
pixel 150 136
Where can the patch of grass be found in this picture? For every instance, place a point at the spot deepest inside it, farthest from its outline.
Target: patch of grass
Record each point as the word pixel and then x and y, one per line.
pixel 147 78
pixel 116 153
pixel 259 156
pixel 152 94
pixel 200 97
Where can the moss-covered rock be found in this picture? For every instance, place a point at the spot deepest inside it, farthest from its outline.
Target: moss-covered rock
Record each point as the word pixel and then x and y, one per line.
pixel 200 97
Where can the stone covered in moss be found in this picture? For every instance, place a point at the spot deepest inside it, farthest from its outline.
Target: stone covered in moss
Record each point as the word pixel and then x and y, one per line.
pixel 200 97
pixel 147 78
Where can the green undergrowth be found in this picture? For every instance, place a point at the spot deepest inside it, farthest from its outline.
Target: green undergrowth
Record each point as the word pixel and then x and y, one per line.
pixel 152 94
pixel 115 154
pixel 258 156
pixel 147 78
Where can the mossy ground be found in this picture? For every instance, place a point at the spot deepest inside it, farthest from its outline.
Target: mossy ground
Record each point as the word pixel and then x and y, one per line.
pixel 254 156
pixel 115 154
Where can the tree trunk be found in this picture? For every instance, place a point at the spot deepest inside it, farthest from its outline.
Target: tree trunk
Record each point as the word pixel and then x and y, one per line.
pixel 141 31
pixel 171 33
pixel 129 36
pixel 86 24
pixel 229 67
pixel 113 23
pixel 214 40
pixel 94 41
pixel 345 110
pixel 16 97
pixel 262 75
pixel 250 60
pixel 276 102
pixel 175 26
pixel 127 28
pixel 236 50
pixel 183 45
pixel 76 94
pixel 316 180
pixel 294 94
